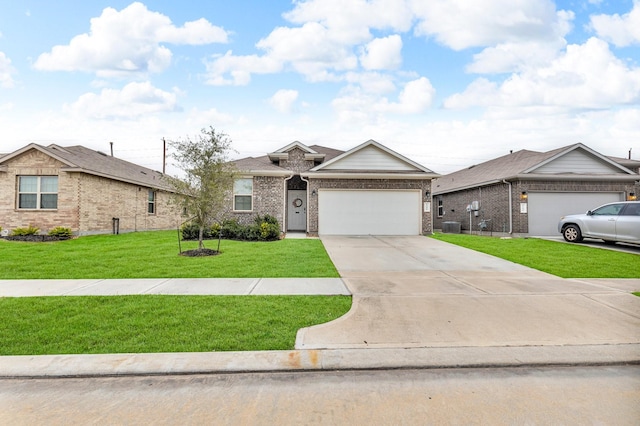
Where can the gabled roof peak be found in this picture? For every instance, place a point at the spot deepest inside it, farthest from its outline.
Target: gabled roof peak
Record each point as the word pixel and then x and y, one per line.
pixel 293 145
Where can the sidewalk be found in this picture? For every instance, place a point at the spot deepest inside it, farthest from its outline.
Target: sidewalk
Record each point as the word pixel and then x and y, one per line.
pixel 174 286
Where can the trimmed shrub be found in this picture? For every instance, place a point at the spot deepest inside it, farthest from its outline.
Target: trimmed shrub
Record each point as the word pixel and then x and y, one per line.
pixel 20 232
pixel 60 232
pixel 264 228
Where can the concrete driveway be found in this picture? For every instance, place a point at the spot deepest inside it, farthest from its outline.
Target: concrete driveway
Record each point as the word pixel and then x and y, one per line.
pixel 420 292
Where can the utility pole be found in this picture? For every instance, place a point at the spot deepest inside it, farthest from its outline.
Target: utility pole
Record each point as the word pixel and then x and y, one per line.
pixel 164 155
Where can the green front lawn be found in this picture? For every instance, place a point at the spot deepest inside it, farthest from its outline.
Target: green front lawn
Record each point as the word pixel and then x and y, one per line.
pixel 154 323
pixel 139 324
pixel 155 255
pixel 557 258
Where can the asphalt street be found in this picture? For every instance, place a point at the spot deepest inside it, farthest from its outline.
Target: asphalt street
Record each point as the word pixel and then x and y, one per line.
pixel 543 395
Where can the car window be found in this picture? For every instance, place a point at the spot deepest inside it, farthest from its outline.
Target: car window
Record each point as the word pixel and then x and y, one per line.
pixel 632 210
pixel 610 210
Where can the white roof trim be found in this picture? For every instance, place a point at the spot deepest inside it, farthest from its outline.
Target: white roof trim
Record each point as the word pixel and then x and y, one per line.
pixel 38 148
pixel 573 148
pixel 371 175
pixel 371 142
pixel 295 144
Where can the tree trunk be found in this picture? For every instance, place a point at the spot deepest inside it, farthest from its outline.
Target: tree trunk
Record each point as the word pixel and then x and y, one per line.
pixel 201 237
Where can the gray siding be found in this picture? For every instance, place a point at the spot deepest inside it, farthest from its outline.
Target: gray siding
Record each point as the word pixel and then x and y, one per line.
pixel 370 159
pixel 578 162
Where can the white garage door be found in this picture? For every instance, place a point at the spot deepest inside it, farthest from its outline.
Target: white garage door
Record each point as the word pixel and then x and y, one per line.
pixel 546 208
pixel 369 212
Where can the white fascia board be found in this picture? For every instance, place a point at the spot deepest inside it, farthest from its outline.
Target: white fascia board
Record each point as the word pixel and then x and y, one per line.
pixel 315 156
pixel 393 176
pixel 38 148
pixel 278 156
pixel 270 173
pixel 568 177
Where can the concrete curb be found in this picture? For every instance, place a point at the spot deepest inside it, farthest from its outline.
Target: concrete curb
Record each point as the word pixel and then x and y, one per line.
pixel 110 365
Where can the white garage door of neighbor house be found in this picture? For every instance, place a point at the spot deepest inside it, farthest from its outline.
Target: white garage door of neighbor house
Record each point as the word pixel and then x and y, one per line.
pixel 369 212
pixel 546 208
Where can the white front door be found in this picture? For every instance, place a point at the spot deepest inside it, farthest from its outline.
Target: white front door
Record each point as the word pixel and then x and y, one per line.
pixel 297 210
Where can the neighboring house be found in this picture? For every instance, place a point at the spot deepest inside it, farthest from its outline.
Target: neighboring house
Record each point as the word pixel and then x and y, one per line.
pixel 85 190
pixel 369 189
pixel 526 192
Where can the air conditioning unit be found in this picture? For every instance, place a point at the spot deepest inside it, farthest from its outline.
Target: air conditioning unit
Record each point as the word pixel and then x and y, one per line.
pixel 451 227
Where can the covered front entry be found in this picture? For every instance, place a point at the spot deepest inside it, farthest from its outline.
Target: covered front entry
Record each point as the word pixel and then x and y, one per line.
pixel 546 208
pixel 369 212
pixel 296 210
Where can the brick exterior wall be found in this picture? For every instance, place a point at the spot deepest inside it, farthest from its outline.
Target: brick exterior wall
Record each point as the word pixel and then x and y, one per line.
pixel 86 203
pixel 268 198
pixel 494 202
pixel 317 184
pixel 296 161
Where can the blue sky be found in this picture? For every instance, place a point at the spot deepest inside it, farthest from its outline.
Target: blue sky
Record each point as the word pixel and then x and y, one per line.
pixel 448 83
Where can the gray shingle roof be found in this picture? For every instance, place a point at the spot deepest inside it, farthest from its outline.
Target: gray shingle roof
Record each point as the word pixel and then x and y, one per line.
pixel 81 159
pixel 264 164
pixel 505 167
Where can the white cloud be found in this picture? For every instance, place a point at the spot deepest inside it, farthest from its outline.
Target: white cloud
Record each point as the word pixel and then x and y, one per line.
pixel 382 53
pixel 127 42
pixel 586 76
pixel 460 24
pixel 372 82
pixel 350 20
pixel 620 30
pixel 325 42
pixel 240 68
pixel 6 72
pixel 509 57
pixel 358 107
pixel 416 97
pixel 283 100
pixel 134 100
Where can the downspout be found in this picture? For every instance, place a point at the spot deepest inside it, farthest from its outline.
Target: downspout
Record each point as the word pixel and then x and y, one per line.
pixel 510 207
pixel 307 212
pixel 284 204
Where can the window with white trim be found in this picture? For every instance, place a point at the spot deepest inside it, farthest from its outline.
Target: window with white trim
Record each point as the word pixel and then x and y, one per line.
pixel 243 194
pixel 440 207
pixel 151 203
pixel 38 192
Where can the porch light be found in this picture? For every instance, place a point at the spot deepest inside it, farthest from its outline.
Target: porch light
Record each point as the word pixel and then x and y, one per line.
pixel 632 196
pixel 524 196
pixel 427 193
pixel 314 192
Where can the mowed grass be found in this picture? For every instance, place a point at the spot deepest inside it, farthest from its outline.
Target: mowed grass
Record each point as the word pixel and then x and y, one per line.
pixel 557 258
pixel 155 255
pixel 160 323
pixel 140 324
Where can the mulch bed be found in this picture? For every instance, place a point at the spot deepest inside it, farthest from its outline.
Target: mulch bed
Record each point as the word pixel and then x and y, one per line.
pixel 35 238
pixel 199 252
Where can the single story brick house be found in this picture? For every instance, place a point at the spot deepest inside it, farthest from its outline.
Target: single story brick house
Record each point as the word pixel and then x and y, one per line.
pixel 526 192
pixel 82 189
pixel 367 190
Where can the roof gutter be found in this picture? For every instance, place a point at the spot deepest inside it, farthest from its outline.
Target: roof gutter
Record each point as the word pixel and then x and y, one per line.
pixel 510 207
pixel 338 175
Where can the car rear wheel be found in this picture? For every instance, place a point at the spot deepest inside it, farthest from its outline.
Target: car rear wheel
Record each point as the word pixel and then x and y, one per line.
pixel 572 234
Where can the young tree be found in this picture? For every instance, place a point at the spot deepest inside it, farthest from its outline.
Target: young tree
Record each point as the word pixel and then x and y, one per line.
pixel 208 176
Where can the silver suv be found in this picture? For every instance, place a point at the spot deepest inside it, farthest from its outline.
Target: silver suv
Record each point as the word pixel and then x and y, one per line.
pixel 613 222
